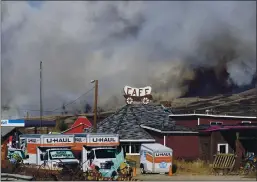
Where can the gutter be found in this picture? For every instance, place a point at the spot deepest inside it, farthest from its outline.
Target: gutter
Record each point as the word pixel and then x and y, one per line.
pixel 160 131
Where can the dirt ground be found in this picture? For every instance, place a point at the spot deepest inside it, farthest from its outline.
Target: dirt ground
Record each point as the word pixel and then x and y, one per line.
pixel 159 177
pixel 187 177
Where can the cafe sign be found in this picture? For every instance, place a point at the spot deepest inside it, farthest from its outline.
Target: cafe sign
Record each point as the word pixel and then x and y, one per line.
pixel 142 95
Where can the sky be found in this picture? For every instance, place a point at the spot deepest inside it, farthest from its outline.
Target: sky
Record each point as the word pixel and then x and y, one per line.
pixel 135 43
pixel 35 4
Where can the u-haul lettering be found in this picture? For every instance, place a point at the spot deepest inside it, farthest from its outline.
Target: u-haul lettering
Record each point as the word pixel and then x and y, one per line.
pixel 104 140
pixel 163 154
pixel 58 140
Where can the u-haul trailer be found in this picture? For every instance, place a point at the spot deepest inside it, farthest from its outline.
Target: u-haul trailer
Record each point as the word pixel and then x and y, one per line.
pixel 100 150
pixel 155 158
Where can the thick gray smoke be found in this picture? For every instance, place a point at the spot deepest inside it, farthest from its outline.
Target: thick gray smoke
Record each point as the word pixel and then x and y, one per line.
pixel 121 43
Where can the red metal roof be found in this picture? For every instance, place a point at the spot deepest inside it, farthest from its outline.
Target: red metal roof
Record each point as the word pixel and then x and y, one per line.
pixel 79 126
pixel 82 120
pixel 217 128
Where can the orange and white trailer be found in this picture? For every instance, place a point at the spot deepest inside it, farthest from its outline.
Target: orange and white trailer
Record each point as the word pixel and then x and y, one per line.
pixel 155 158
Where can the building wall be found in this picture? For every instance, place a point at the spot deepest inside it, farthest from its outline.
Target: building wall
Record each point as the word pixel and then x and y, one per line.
pixel 194 122
pixel 184 146
pixel 157 136
pixel 225 121
pixel 204 147
pixel 187 123
pixel 209 144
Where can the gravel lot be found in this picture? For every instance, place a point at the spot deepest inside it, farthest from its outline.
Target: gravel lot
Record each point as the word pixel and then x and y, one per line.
pixel 186 177
pixel 159 177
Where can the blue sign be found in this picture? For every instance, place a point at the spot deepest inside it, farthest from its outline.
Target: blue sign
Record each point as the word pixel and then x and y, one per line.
pixel 13 122
pixel 163 165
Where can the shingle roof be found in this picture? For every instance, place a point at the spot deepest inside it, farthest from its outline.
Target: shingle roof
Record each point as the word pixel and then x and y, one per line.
pixel 127 120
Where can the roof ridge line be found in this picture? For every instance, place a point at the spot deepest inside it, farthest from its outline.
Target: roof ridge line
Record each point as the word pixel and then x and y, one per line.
pixel 140 123
pixel 120 120
pixel 107 119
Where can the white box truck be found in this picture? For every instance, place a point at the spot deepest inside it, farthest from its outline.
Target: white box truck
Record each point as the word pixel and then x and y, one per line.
pixel 51 150
pixel 100 150
pixel 155 158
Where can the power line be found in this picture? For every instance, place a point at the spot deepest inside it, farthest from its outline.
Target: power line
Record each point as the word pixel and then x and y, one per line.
pixel 71 102
pixel 54 110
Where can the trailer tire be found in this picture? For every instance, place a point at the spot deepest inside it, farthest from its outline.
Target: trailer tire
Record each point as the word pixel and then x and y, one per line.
pixel 142 169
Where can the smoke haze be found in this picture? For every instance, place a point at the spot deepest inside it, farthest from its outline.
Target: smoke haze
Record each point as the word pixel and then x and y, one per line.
pixel 163 44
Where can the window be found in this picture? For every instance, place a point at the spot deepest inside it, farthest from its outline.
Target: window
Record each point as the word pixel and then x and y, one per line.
pixel 131 148
pixel 222 148
pixel 105 153
pixel 135 147
pixel 61 154
pixel 216 123
pixel 91 155
pixel 125 147
pixel 246 122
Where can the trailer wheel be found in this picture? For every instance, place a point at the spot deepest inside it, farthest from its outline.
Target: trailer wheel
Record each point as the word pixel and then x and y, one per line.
pixel 142 169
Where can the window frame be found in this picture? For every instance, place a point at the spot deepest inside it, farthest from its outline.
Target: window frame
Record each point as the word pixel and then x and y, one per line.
pixel 226 148
pixel 248 122
pixel 126 145
pixel 216 123
pixel 134 144
pixel 130 145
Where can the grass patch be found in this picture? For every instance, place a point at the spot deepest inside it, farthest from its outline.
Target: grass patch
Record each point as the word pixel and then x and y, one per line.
pixel 251 175
pixel 197 167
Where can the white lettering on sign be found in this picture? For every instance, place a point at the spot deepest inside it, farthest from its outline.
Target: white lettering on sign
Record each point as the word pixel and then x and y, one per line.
pixel 103 140
pixel 164 154
pixel 138 92
pixel 58 140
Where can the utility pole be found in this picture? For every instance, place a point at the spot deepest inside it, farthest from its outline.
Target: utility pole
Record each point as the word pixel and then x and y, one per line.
pixel 41 105
pixel 95 104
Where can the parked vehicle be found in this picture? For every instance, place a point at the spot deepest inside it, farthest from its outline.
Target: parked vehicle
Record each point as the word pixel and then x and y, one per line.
pixel 17 155
pixel 54 158
pixel 30 143
pixel 102 152
pixel 155 158
pixel 97 151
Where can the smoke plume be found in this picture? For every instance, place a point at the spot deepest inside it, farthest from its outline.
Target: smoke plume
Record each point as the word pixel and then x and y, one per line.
pixel 179 48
